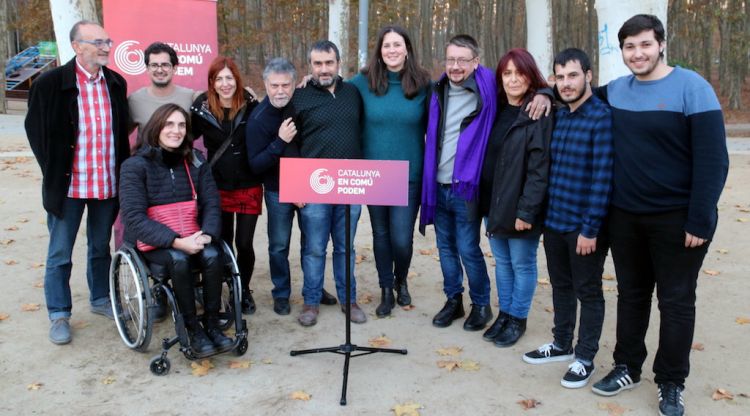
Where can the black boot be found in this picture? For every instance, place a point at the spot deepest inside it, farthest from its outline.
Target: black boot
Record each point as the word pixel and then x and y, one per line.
pixel 497 326
pixel 199 342
pixel 213 330
pixel 512 332
pixel 248 303
pixel 453 309
pixel 402 292
pixel 327 298
pixel 478 318
pixel 160 307
pixel 386 302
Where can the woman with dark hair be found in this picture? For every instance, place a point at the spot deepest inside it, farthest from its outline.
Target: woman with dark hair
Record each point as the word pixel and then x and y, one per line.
pixel 513 190
pixel 220 115
pixel 394 89
pixel 165 170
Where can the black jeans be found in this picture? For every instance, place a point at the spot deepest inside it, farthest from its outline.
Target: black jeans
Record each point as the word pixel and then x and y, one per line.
pixel 649 250
pixel 574 277
pixel 177 265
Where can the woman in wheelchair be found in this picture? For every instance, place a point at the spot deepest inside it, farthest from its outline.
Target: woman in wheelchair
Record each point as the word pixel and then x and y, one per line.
pixel 166 170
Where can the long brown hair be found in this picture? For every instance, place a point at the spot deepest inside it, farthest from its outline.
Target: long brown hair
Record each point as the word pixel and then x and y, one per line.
pixel 238 99
pixel 526 65
pixel 151 131
pixel 413 77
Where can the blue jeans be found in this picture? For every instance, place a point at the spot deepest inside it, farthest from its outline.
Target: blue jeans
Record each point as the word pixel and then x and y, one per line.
pixel 319 221
pixel 515 273
pixel 458 237
pixel 280 219
pixel 393 235
pixel 62 236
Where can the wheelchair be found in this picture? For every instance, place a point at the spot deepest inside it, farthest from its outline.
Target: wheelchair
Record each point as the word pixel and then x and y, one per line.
pixel 134 305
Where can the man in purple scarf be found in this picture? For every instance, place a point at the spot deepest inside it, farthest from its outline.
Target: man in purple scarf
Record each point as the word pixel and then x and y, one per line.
pixel 462 110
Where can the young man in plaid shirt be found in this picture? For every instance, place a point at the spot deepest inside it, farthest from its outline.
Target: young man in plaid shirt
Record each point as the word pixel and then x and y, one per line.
pixel 579 188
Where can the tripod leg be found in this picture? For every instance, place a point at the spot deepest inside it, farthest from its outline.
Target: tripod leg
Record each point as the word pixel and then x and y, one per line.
pixel 346 378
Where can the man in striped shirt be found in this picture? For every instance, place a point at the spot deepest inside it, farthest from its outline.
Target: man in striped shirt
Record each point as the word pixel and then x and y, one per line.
pixel 77 126
pixel 579 187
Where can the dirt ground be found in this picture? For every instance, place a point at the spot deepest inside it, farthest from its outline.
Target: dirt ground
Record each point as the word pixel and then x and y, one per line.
pixel 97 375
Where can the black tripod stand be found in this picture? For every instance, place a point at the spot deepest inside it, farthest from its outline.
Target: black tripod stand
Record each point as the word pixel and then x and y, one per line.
pixel 347 348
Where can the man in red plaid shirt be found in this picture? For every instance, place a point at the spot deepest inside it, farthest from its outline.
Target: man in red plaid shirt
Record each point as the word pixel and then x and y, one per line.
pixel 77 126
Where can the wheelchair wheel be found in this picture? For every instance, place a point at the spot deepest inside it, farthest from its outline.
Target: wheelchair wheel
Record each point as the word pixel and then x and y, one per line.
pixel 230 292
pixel 131 297
pixel 160 365
pixel 241 348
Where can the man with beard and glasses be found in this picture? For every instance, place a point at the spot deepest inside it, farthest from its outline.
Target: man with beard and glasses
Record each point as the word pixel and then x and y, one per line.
pixel 670 167
pixel 328 123
pixel 580 182
pixel 161 65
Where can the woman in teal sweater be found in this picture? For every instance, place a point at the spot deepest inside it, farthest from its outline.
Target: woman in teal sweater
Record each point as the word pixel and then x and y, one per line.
pixel 394 89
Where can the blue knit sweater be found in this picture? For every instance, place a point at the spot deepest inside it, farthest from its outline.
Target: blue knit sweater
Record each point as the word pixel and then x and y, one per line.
pixel 394 126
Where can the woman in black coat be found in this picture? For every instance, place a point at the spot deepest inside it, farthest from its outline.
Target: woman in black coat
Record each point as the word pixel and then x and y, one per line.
pixel 220 115
pixel 513 192
pixel 161 173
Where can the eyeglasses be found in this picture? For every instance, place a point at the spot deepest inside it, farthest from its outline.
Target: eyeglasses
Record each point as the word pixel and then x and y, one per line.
pixel 166 66
pixel 462 62
pixel 99 43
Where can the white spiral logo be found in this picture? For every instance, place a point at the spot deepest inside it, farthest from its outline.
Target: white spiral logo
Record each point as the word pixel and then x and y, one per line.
pixel 129 61
pixel 321 184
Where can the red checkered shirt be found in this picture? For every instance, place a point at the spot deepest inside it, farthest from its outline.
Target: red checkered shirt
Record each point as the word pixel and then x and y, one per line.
pixel 93 173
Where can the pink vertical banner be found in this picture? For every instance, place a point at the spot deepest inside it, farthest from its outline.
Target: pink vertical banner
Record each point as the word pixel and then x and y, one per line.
pixel 189 26
pixel 344 181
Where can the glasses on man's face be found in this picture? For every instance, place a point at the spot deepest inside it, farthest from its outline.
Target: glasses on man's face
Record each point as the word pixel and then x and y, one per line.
pixel 462 62
pixel 164 66
pixel 99 43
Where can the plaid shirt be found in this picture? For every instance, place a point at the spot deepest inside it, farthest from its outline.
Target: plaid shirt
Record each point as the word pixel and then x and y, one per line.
pixel 93 172
pixel 581 170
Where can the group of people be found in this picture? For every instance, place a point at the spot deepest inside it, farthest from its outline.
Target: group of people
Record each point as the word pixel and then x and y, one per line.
pixel 636 166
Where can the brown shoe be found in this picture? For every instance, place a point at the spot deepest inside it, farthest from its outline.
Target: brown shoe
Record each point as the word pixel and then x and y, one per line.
pixel 309 315
pixel 358 315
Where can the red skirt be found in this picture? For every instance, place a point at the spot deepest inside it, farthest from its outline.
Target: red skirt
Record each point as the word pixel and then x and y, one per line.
pixel 243 201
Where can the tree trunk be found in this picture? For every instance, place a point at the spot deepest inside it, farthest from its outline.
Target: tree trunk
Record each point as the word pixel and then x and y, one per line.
pixel 539 33
pixel 338 30
pixel 65 13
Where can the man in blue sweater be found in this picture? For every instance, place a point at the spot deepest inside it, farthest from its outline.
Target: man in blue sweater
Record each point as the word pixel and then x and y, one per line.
pixel 670 166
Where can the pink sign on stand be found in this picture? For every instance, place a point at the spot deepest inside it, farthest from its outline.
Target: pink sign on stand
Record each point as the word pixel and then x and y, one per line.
pixel 344 181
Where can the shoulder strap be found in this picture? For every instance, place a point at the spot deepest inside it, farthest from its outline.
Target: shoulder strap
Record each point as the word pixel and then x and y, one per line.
pixel 190 179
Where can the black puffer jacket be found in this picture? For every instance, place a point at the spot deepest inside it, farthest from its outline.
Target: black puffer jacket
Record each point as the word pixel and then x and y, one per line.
pixel 146 180
pixel 519 186
pixel 231 171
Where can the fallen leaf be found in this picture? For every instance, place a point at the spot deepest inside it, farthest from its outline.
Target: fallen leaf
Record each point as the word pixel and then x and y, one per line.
pixel 108 380
pixel 469 365
pixel 549 309
pixel 488 254
pixel 39 284
pixel 609 289
pixel 738 220
pixel 239 364
pixel 613 408
pixel 11 262
pixel 7 242
pixel 543 282
pixel 359 258
pixel 697 346
pixel 721 394
pixel 4 316
pixel 201 369
pixel 267 361
pixel 23 220
pixel 722 251
pixel 365 298
pixel 608 277
pixel 742 320
pixel 436 258
pixel 379 342
pixel 407 409
pixel 450 365
pixel 34 386
pixel 79 324
pixel 407 307
pixel 744 395
pixel 12 228
pixel 527 404
pixel 30 307
pixel 744 210
pixel 426 252
pixel 300 395
pixel 412 274
pixel 711 272
pixel 449 351
pixel 37 265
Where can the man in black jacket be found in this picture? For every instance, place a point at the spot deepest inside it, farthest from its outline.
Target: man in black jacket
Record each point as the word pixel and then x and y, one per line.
pixel 77 126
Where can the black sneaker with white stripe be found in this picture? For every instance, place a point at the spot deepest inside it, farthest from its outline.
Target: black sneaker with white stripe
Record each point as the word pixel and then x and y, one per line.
pixel 547 353
pixel 578 375
pixel 670 400
pixel 617 380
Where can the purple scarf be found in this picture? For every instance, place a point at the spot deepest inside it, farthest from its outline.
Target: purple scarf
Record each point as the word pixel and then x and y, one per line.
pixel 472 142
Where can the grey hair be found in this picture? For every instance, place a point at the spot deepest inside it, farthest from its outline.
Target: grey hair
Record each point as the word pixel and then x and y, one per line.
pixel 279 66
pixel 465 41
pixel 75 29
